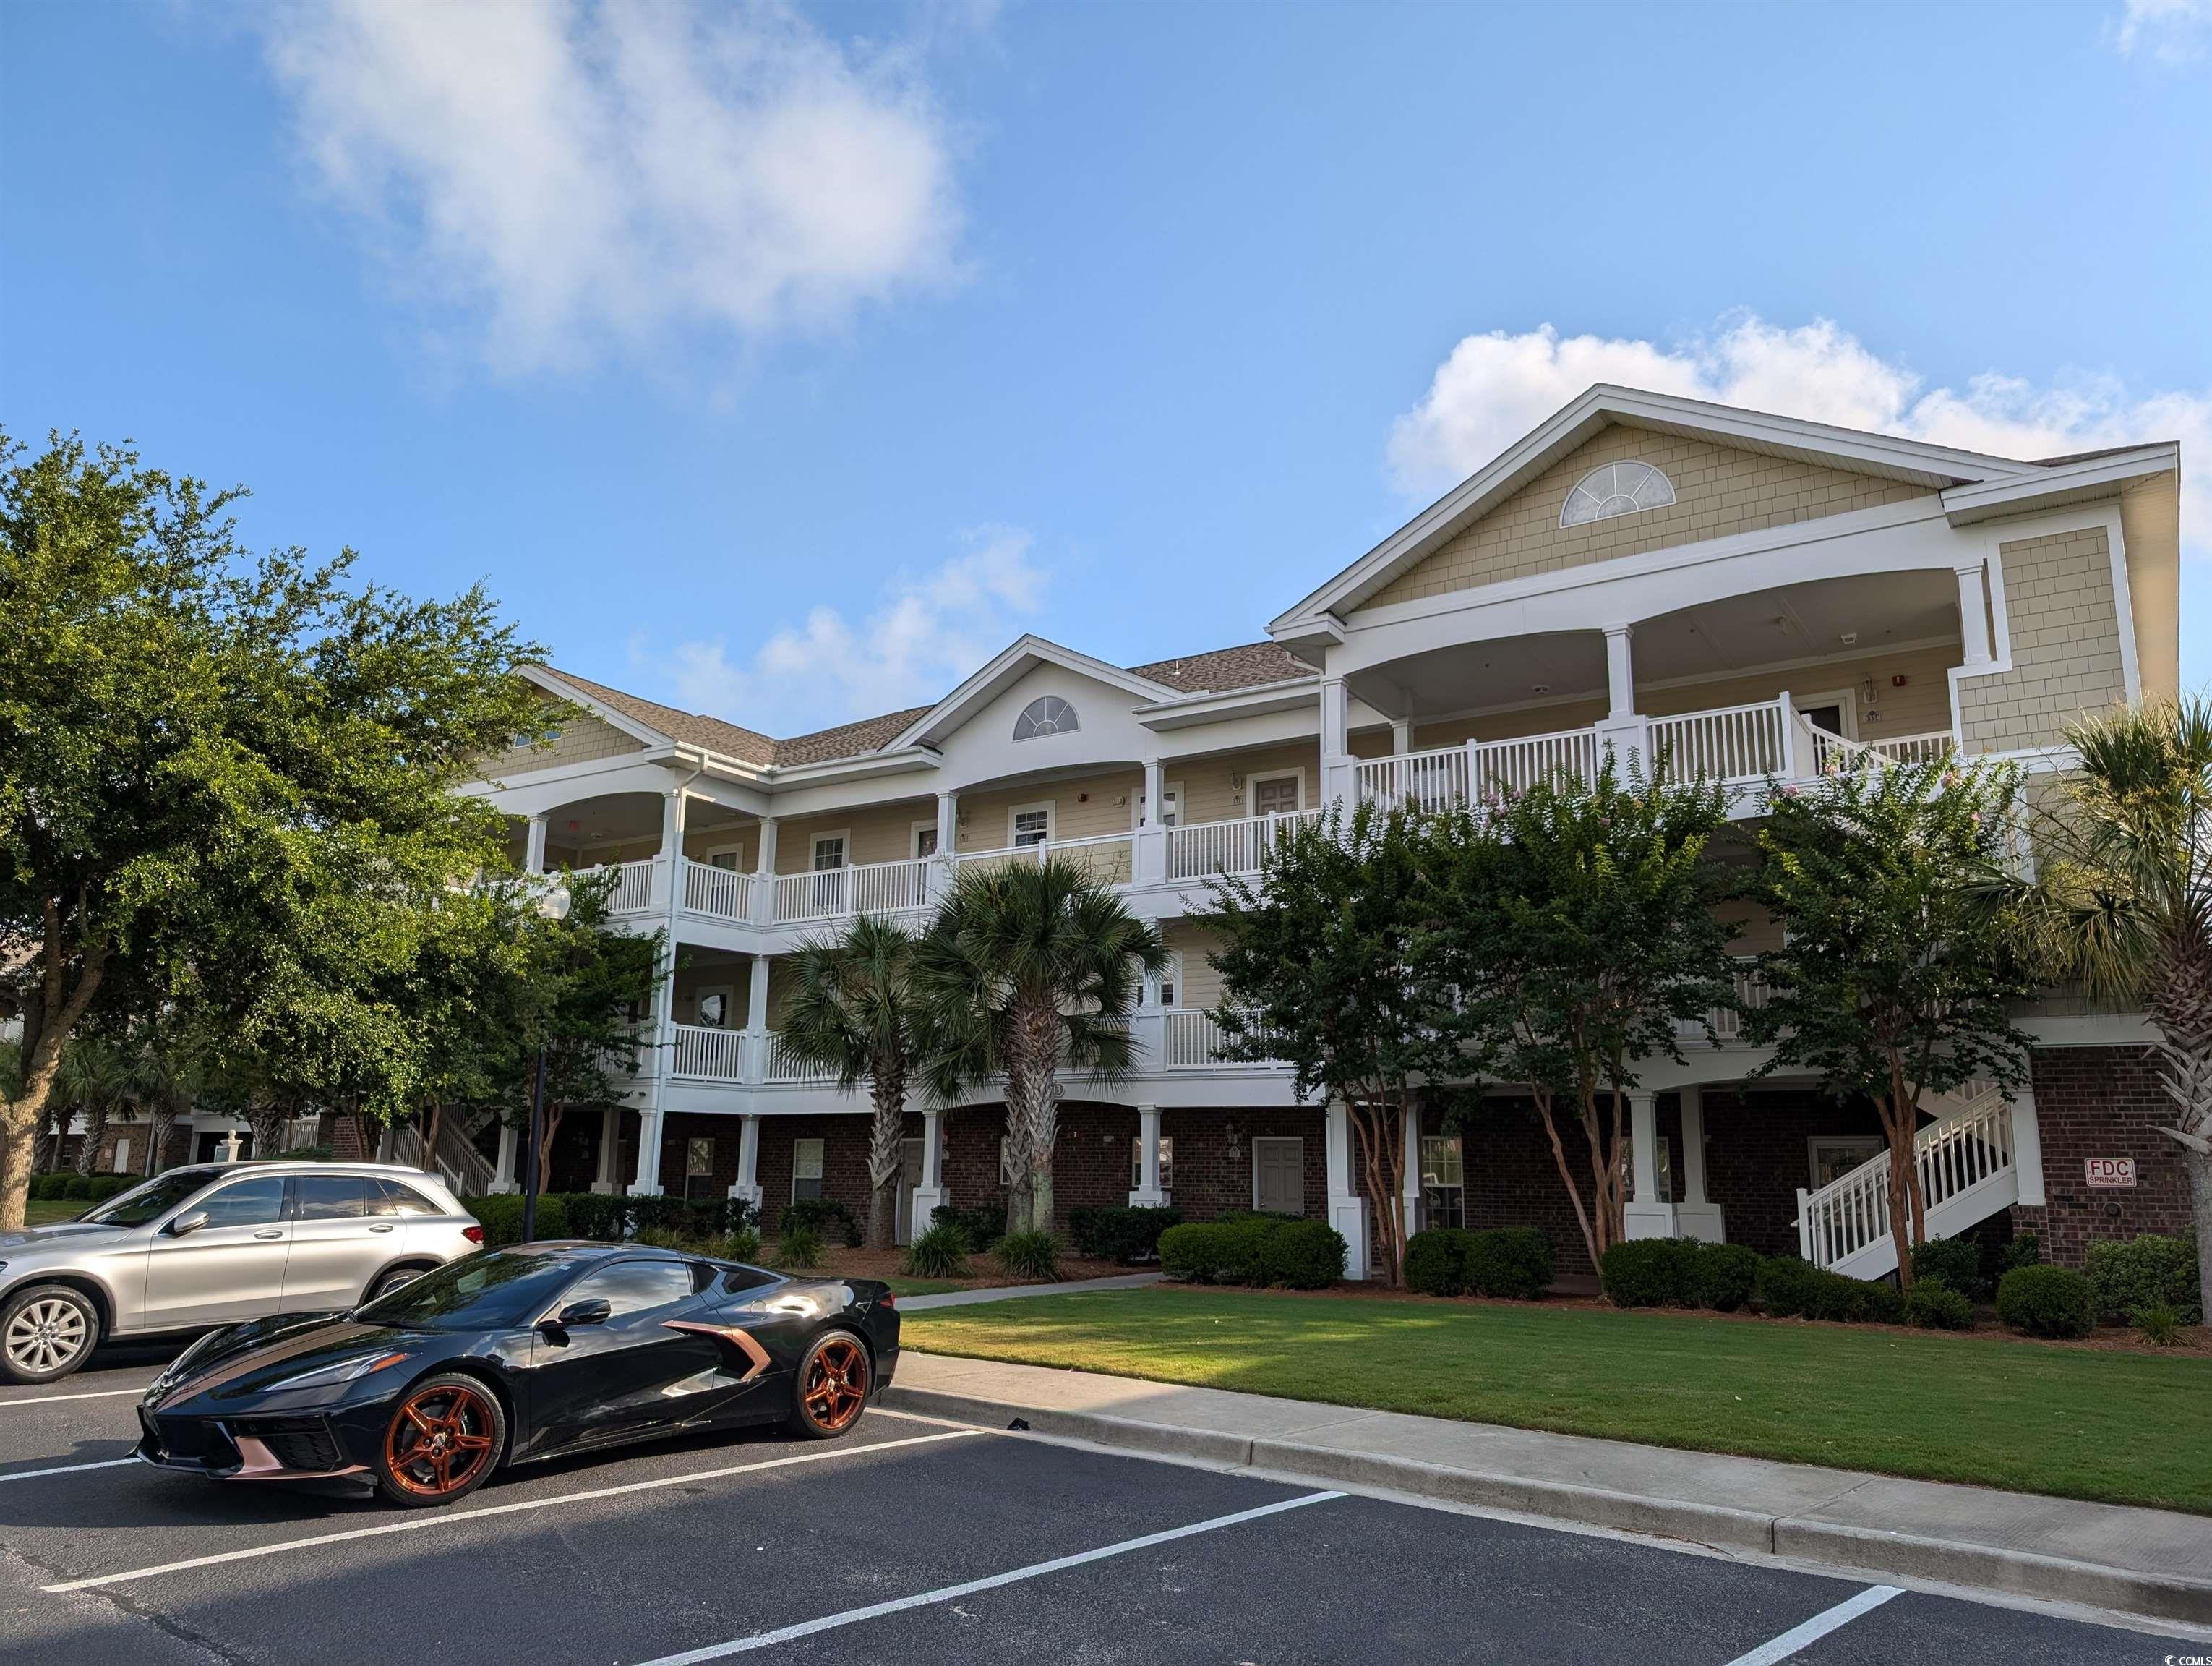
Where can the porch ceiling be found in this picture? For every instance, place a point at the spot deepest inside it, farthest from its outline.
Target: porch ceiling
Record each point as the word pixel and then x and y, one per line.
pixel 619 816
pixel 1798 622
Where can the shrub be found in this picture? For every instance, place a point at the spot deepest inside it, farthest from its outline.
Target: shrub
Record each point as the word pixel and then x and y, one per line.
pixel 800 1248
pixel 2132 1274
pixel 1122 1233
pixel 1790 1288
pixel 1255 1249
pixel 2026 1250
pixel 1032 1256
pixel 500 1216
pixel 695 1218
pixel 2159 1324
pixel 1648 1272
pixel 826 1216
pixel 1722 1275
pixel 660 1237
pixel 939 1251
pixel 1436 1262
pixel 77 1185
pixel 981 1228
pixel 1934 1305
pixel 599 1215
pixel 43 1186
pixel 2047 1301
pixel 1956 1261
pixel 1303 1254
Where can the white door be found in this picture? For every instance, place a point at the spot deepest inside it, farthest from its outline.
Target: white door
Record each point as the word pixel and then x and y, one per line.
pixel 909 1177
pixel 1278 1177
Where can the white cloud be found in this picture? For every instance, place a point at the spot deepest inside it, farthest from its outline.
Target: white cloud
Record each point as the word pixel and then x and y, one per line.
pixel 927 633
pixel 2170 31
pixel 1494 388
pixel 573 175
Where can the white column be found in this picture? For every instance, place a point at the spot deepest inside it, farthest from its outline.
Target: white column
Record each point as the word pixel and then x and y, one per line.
pixel 1156 787
pixel 948 822
pixel 1620 672
pixel 1148 1195
pixel 1412 1177
pixel 608 1178
pixel 1336 741
pixel 663 1051
pixel 1973 615
pixel 533 859
pixel 764 874
pixel 756 994
pixel 648 1155
pixel 1347 1209
pixel 1695 1215
pixel 504 1174
pixel 747 1186
pixel 2027 1149
pixel 931 1192
pixel 1149 846
pixel 1402 735
pixel 1646 1216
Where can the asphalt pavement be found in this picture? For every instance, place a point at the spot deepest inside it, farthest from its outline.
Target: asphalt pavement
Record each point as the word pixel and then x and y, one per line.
pixel 909 1539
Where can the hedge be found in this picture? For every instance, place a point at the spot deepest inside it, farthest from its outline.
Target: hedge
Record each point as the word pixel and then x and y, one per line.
pixel 609 1218
pixel 1121 1232
pixel 1934 1305
pixel 1956 1263
pixel 2047 1301
pixel 2130 1274
pixel 500 1216
pixel 982 1226
pixel 1790 1288
pixel 1514 1261
pixel 1260 1249
pixel 825 1215
pixel 1679 1272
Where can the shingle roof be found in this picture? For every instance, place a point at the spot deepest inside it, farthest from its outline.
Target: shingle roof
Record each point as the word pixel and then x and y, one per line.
pixel 1219 671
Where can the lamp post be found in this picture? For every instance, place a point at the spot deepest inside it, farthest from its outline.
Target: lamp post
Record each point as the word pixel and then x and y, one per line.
pixel 552 904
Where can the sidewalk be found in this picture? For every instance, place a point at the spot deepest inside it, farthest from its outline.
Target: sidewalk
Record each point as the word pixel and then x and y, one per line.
pixel 2151 1562
pixel 1014 1292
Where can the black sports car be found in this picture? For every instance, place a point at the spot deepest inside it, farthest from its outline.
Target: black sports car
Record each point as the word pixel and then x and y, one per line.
pixel 518 1355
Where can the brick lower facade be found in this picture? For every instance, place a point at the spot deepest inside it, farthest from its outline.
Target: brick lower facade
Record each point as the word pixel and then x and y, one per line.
pixel 2103 1102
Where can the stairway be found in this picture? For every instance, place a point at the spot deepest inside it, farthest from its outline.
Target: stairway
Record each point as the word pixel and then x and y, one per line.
pixel 1967 1174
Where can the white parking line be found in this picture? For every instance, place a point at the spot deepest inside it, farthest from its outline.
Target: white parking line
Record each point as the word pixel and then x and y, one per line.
pixel 1798 1638
pixel 415 1523
pixel 68 1469
pixel 51 1399
pixel 953 1593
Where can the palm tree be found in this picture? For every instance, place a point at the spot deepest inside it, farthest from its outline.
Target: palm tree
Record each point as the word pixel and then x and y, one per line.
pixel 163 1077
pixel 90 1083
pixel 856 1012
pixel 2124 902
pixel 1022 969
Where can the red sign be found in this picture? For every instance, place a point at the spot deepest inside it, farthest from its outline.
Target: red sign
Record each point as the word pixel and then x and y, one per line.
pixel 2110 1171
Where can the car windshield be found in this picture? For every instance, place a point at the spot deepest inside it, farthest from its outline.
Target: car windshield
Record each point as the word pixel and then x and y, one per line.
pixel 153 1200
pixel 483 1292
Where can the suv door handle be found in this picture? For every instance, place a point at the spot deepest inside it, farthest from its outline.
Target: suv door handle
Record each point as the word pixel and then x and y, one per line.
pixel 386 1227
pixel 272 1234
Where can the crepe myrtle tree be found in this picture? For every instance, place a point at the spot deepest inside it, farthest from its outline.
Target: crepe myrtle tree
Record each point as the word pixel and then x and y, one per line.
pixel 1899 957
pixel 2122 903
pixel 855 1009
pixel 1574 922
pixel 1025 970
pixel 205 755
pixel 1319 969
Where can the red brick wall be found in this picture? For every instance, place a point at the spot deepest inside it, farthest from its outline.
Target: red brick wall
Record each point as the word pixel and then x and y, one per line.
pixel 1757 1155
pixel 2103 1102
pixel 1213 1159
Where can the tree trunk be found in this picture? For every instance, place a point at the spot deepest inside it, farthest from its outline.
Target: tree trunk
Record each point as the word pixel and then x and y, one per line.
pixel 1901 1190
pixel 266 1123
pixel 886 1141
pixel 1019 1180
pixel 96 1130
pixel 1381 1150
pixel 1547 1103
pixel 157 1141
pixel 1042 1027
pixel 554 1108
pixel 47 1022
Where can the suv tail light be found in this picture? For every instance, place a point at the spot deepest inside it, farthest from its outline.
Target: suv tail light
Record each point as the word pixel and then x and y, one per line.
pixel 889 1298
pixel 473 1233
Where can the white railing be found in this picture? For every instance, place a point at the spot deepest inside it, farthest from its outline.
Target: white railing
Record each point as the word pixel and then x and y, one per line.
pixel 1735 743
pixel 1191 1039
pixel 858 888
pixel 1426 780
pixel 1109 857
pixel 1832 753
pixel 636 886
pixel 1955 1158
pixel 1727 1021
pixel 783 1068
pixel 1202 849
pixel 1915 748
pixel 1519 764
pixel 707 1053
pixel 719 893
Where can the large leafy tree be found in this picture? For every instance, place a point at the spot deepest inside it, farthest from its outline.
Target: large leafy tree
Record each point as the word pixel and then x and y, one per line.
pixel 226 778
pixel 1320 969
pixel 1027 970
pixel 855 1009
pixel 2122 900
pixel 1575 924
pixel 1899 963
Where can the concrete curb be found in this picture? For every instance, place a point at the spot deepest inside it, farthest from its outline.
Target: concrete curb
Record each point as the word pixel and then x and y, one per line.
pixel 1862 1550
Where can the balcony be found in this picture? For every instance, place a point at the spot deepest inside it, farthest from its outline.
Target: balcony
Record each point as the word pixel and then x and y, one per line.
pixel 839 893
pixel 1202 849
pixel 1109 858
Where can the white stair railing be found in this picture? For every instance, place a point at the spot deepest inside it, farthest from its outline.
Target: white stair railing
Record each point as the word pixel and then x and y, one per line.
pixel 1848 1218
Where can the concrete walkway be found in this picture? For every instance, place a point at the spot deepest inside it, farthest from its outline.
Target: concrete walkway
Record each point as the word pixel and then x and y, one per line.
pixel 2151 1562
pixel 1009 1292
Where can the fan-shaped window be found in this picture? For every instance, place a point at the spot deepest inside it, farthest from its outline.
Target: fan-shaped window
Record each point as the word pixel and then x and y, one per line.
pixel 1047 714
pixel 1616 489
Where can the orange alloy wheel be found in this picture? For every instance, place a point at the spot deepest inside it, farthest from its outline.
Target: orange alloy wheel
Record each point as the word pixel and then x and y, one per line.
pixel 444 1437
pixel 836 1383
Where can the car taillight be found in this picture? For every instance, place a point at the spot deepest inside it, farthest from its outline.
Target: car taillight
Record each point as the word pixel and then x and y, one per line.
pixel 473 1234
pixel 889 1298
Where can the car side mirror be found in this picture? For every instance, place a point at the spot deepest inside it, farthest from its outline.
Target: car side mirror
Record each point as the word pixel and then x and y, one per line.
pixel 185 1224
pixel 596 1311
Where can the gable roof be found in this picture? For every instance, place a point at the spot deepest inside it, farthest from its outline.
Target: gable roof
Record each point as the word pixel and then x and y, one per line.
pixel 1249 666
pixel 1604 405
pixel 686 728
pixel 870 734
pixel 1009 666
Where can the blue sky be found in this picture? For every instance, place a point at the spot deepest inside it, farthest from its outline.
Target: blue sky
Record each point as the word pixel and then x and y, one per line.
pixel 787 364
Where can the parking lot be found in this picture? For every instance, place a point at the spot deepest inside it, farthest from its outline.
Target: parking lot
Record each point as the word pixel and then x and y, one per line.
pixel 909 1539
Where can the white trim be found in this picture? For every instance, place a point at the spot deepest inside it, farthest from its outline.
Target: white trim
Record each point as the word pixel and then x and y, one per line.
pixel 2124 603
pixel 1260 1140
pixel 1007 666
pixel 554 682
pixel 1845 701
pixel 2089 476
pixel 1169 789
pixel 821 1179
pixel 914 830
pixel 708 853
pixel 1814 1142
pixel 1252 787
pixel 729 994
pixel 1051 808
pixel 814 842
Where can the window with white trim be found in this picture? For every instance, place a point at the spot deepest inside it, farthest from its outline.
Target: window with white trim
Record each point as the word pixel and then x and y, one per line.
pixel 1047 714
pixel 1625 488
pixel 828 853
pixel 1031 826
pixel 805 1168
pixel 123 1155
pixel 1167 982
pixel 1444 1181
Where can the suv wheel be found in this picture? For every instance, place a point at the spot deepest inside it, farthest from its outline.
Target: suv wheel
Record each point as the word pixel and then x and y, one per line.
pixel 45 1333
pixel 392 1281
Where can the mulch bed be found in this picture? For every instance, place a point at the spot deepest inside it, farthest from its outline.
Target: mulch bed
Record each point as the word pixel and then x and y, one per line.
pixel 983 1271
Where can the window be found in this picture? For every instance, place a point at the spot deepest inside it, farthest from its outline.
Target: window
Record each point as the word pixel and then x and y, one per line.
pixel 391 1197
pixel 1047 714
pixel 1277 795
pixel 326 1197
pixel 1616 489
pixel 925 839
pixel 1834 1156
pixel 248 1203
pixel 1137 1163
pixel 805 1168
pixel 723 859
pixel 1030 825
pixel 1444 1181
pixel 1167 982
pixel 123 1155
pixel 1170 806
pixel 634 1287
pixel 698 1166
pixel 828 853
pixel 714 1007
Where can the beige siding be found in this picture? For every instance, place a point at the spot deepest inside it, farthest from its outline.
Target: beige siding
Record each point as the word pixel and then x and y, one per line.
pixel 699 843
pixel 879 834
pixel 581 738
pixel 1218 788
pixel 1508 725
pixel 1201 984
pixel 1921 707
pixel 1717 491
pixel 2065 644
pixel 1088 807
pixel 1753 929
pixel 2150 526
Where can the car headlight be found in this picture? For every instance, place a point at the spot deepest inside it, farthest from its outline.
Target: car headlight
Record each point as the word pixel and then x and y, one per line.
pixel 183 1362
pixel 345 1371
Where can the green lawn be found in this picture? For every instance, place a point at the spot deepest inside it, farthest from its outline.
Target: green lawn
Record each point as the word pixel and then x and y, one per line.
pixel 902 1285
pixel 45 1211
pixel 2125 1427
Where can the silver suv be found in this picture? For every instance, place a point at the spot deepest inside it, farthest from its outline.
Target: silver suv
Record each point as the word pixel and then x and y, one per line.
pixel 212 1245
